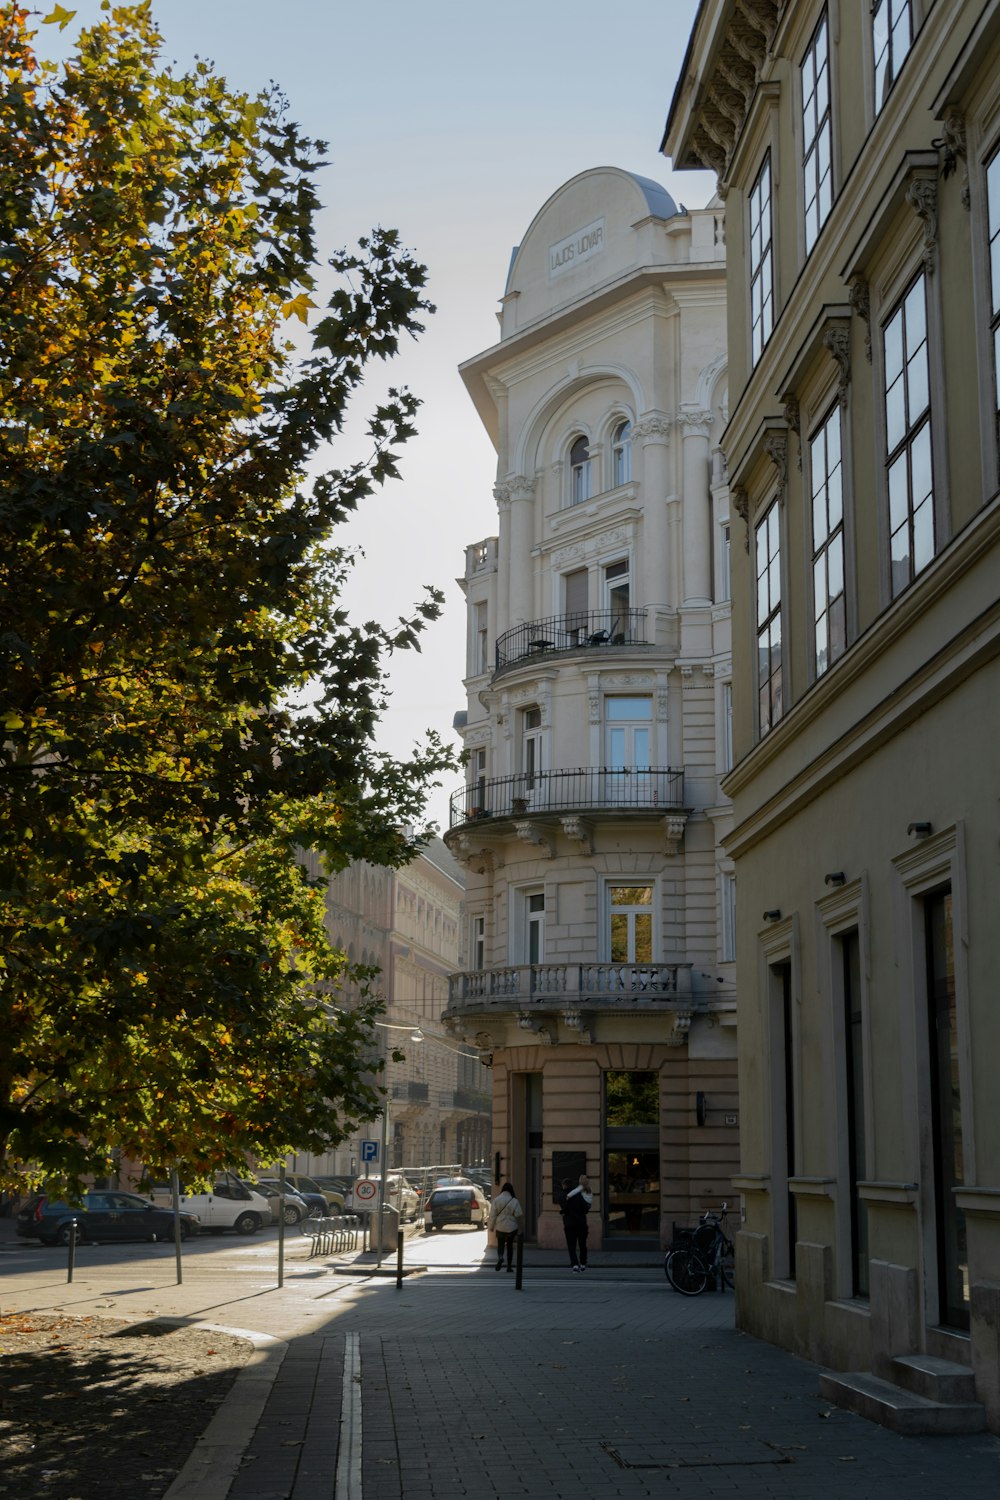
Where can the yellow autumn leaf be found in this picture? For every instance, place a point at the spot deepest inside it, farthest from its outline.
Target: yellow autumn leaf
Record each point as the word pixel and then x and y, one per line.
pixel 60 17
pixel 13 721
pixel 298 307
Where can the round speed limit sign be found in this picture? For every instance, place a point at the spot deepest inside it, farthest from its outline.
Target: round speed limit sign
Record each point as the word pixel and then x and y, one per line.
pixel 366 1191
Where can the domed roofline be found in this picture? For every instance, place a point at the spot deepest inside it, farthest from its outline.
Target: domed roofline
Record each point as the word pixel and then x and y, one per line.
pixel 659 205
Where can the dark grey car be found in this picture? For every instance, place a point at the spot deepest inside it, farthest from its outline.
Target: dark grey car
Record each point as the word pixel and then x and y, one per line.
pixel 108 1216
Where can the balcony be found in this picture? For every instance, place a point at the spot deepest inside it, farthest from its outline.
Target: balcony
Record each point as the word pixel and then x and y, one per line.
pixel 583 630
pixel 587 789
pixel 570 987
pixel 412 1092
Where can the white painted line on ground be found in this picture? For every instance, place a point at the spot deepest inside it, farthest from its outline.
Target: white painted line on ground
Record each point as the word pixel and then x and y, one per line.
pixel 348 1485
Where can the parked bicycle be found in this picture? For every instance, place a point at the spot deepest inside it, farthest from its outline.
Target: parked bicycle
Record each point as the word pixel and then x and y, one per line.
pixel 702 1256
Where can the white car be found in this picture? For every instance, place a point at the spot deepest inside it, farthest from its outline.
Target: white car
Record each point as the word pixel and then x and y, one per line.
pixel 230 1205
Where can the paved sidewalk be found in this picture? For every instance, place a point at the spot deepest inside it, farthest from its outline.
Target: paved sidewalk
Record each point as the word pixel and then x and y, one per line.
pixel 605 1386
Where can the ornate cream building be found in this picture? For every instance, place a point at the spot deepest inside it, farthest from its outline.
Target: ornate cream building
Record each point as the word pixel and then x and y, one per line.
pixel 407 923
pixel 857 148
pixel 597 971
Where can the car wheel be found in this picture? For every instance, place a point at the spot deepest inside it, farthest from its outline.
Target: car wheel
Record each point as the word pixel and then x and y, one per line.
pixel 293 1215
pixel 186 1233
pixel 65 1234
pixel 247 1224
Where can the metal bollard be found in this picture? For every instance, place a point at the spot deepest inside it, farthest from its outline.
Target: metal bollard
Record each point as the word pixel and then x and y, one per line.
pixel 71 1257
pixel 519 1277
pixel 399 1259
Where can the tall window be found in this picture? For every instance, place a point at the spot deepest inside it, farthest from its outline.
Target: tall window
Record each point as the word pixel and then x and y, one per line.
pixel 728 906
pixel 761 263
pixel 727 726
pixel 829 603
pixel 616 587
pixel 946 1110
pixel 817 132
pixel 993 212
pixel 629 723
pixel 631 928
pixel 534 916
pixel 850 971
pixel 621 454
pixel 531 746
pixel 481 661
pixel 768 553
pixel 892 33
pixel 908 439
pixel 725 563
pixel 579 471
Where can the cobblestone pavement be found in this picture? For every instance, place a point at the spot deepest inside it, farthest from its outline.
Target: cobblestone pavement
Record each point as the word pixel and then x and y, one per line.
pixel 585 1387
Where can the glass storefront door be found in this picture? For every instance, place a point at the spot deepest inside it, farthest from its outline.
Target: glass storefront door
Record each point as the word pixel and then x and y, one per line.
pixel 631 1156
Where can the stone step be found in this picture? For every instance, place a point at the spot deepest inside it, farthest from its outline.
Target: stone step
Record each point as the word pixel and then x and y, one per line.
pixel 937 1379
pixel 905 1412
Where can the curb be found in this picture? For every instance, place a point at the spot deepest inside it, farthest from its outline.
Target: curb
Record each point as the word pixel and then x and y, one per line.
pixel 216 1456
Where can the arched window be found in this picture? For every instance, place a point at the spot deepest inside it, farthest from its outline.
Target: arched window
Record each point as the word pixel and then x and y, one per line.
pixel 621 454
pixel 579 471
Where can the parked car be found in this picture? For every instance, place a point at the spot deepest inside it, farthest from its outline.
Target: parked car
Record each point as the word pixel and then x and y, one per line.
pixel 229 1205
pixel 341 1185
pixel 298 1205
pixel 456 1203
pixel 111 1215
pixel 301 1183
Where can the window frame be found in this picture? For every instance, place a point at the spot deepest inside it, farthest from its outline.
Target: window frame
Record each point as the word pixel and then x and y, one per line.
pixel 632 910
pixel 579 469
pixel 761 265
pixel 895 453
pixel 621 452
pixel 836 534
pixel 823 129
pixel 894 65
pixel 770 519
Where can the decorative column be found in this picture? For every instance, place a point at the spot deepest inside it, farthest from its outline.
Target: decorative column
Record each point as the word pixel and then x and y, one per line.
pixel 697 586
pixel 653 432
pixel 517 495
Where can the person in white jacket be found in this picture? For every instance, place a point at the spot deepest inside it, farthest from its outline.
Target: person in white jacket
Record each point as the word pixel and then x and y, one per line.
pixel 505 1217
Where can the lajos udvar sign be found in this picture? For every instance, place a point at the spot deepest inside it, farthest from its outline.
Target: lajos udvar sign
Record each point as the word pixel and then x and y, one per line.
pixel 583 244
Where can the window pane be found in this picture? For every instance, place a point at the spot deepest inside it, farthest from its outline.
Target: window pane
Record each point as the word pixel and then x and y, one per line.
pixel 895 415
pixel 923 535
pixel 835 557
pixel 920 465
pixel 899 493
pixel 643 937
pixel 642 749
pixel 619 937
pixel 619 709
pixel 918 389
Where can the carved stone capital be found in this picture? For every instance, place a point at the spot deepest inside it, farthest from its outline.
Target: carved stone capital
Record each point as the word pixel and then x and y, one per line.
pixel 860 299
pixel 741 505
pixel 469 852
pixel 579 832
pixel 838 341
pixel 696 423
pixel 952 148
pixel 673 830
pixel 514 487
pixel 652 429
pixel 922 198
pixel 794 422
pixel 776 448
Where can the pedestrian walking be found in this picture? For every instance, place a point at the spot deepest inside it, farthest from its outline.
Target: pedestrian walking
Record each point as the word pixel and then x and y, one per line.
pixel 506 1214
pixel 574 1205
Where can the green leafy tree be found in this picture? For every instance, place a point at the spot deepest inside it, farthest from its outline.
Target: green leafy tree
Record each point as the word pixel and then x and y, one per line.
pixel 168 587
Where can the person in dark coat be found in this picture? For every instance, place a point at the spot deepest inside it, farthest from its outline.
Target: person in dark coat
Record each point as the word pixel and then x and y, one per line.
pixel 574 1205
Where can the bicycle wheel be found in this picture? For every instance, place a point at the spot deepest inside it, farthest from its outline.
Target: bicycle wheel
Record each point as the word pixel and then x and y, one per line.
pixel 687 1272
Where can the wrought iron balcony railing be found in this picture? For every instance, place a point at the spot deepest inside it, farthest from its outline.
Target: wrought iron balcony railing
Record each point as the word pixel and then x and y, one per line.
pixel 584 630
pixel 585 789
pixel 568 987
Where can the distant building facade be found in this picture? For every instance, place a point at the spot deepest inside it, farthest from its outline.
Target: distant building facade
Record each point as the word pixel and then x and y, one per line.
pixel 407 923
pixel 597 970
pixel 858 149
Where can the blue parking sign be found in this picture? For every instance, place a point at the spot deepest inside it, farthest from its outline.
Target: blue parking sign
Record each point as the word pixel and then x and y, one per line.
pixel 369 1150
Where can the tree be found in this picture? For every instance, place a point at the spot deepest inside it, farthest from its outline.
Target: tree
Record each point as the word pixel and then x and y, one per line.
pixel 169 587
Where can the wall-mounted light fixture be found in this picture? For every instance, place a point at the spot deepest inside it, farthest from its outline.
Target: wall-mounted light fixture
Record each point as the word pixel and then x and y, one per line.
pixel 773 914
pixel 920 830
pixel 835 877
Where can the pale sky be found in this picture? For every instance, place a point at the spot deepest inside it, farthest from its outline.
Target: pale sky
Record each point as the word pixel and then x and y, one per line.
pixel 452 121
